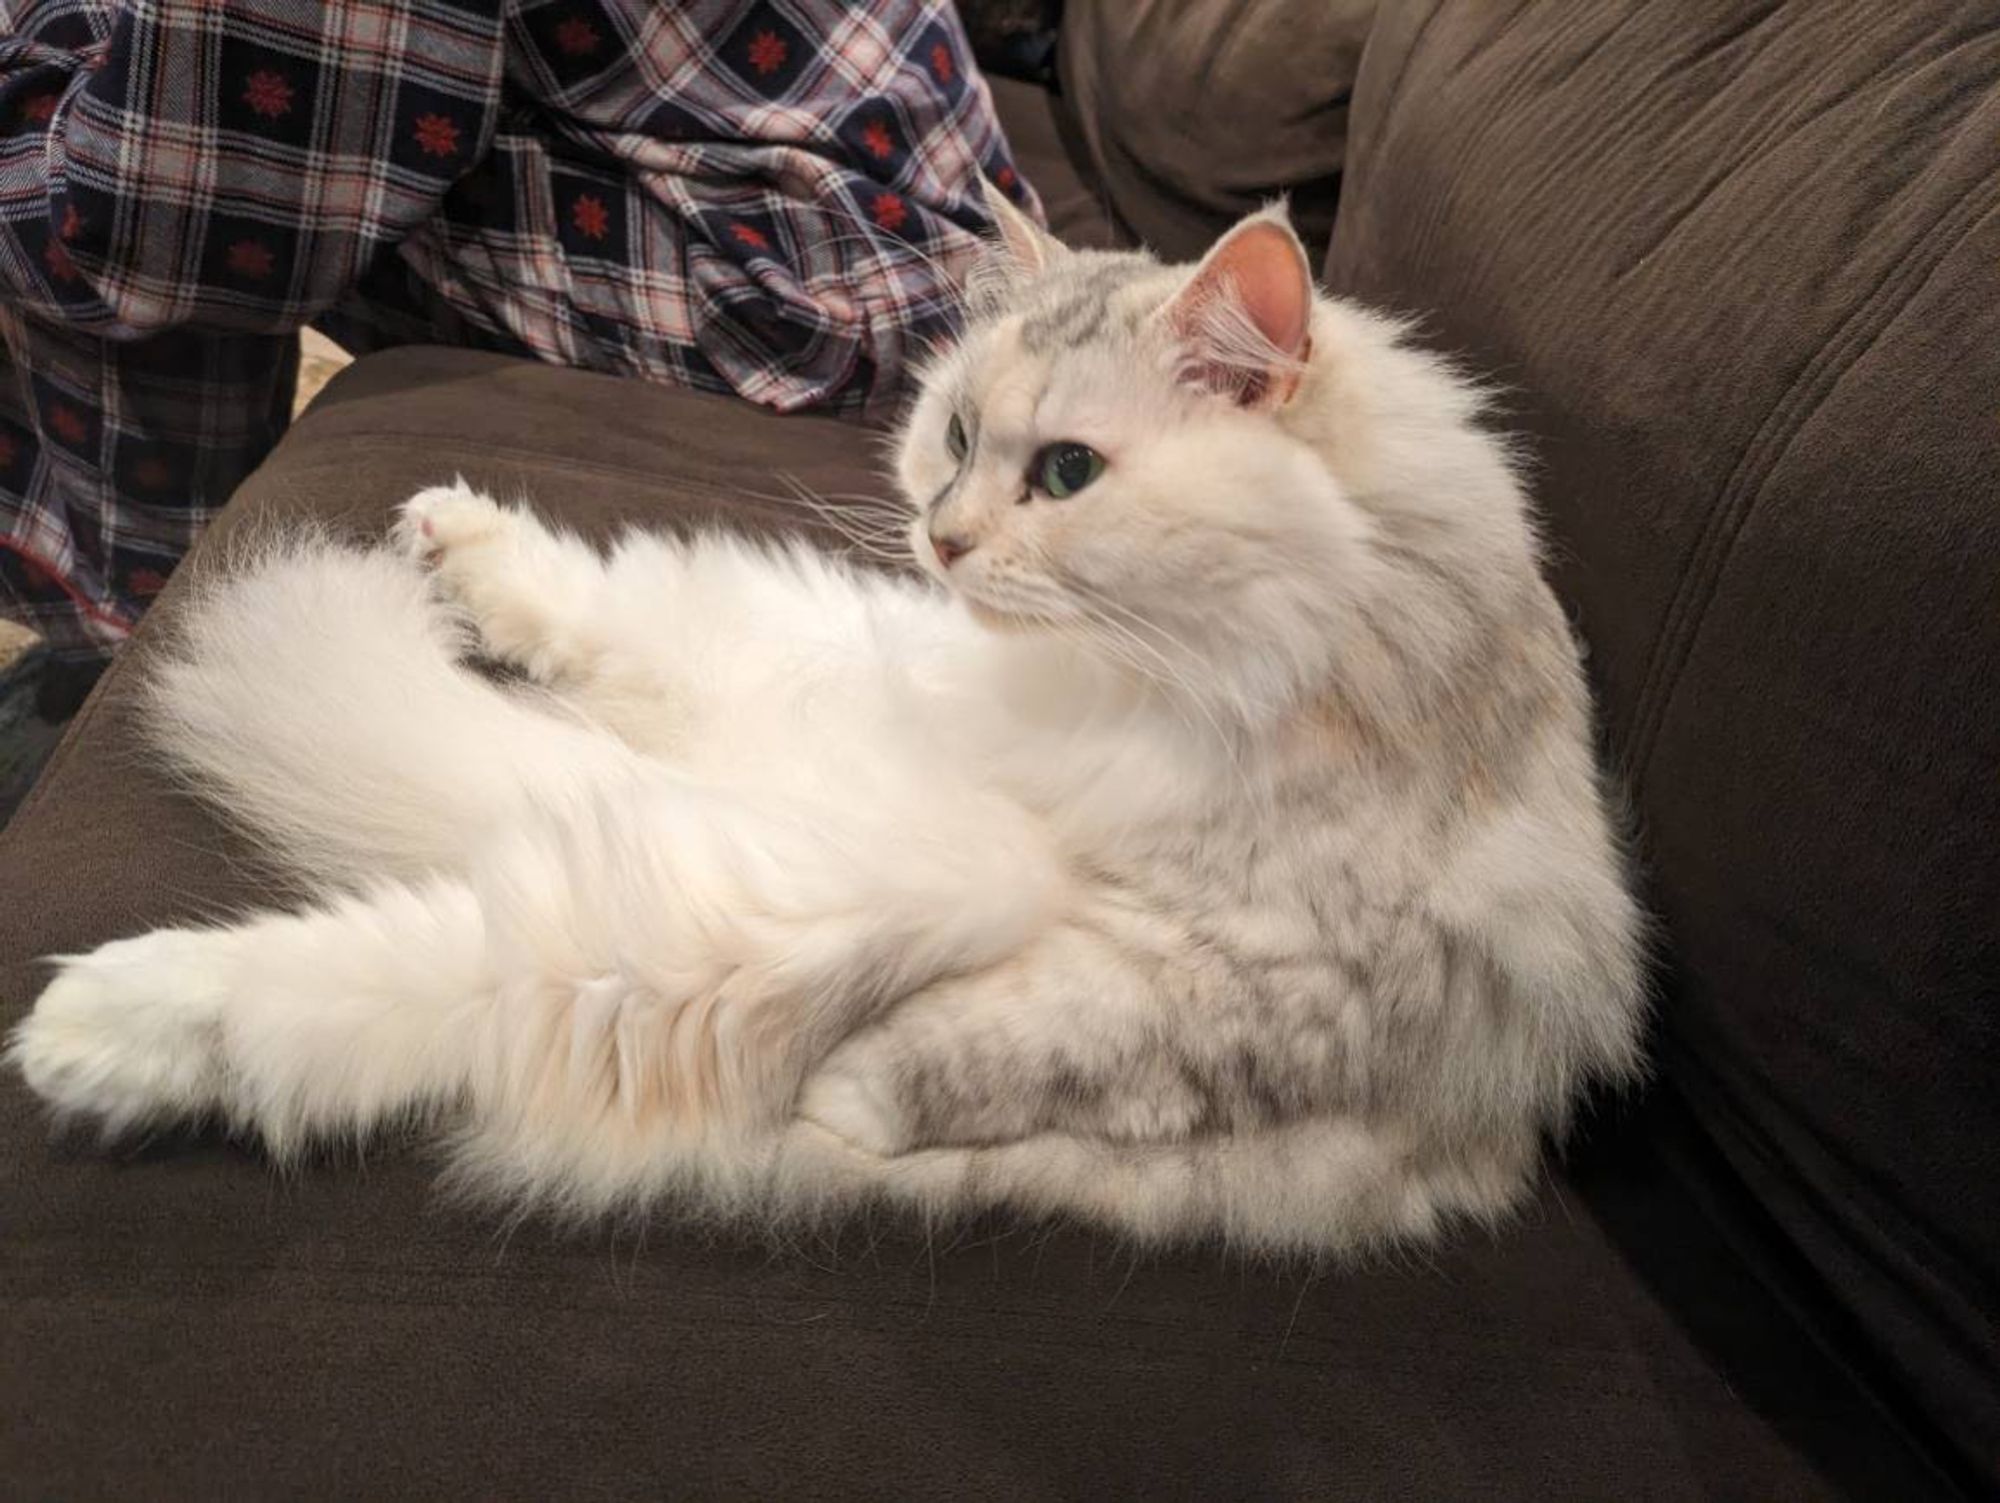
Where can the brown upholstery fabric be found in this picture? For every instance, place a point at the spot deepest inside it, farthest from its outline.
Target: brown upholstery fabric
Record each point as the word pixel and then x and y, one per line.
pixel 1075 209
pixel 177 1322
pixel 1192 113
pixel 1735 264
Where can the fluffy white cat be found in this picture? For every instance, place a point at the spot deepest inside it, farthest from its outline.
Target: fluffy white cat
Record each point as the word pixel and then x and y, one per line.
pixel 1211 844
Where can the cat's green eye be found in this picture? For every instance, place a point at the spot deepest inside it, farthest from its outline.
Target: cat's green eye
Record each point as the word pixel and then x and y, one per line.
pixel 954 438
pixel 1061 470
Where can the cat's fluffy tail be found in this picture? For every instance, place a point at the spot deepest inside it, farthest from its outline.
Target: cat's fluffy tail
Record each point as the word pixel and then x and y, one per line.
pixel 314 693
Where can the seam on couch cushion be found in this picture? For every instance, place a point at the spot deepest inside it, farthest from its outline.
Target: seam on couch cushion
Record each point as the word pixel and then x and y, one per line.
pixel 1774 438
pixel 1384 114
pixel 1770 133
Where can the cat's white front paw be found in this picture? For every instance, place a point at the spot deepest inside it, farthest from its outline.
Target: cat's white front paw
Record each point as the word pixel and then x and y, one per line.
pixel 440 519
pixel 131 1032
pixel 856 1101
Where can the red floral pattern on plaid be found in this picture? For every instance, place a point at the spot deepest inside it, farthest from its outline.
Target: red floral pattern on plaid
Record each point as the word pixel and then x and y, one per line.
pixel 767 52
pixel 269 93
pixel 591 217
pixel 67 423
pixel 436 135
pixel 251 258
pixel 576 37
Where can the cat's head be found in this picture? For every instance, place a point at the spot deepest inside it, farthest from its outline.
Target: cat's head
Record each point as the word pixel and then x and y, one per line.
pixel 1113 447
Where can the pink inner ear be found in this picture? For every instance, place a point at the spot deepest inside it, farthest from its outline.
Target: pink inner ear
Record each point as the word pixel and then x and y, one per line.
pixel 1244 320
pixel 1271 283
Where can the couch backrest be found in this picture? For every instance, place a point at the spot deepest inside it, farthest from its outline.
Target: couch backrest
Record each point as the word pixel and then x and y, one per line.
pixel 1738 266
pixel 1190 114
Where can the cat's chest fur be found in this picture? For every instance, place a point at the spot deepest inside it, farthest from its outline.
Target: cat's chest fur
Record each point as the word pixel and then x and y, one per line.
pixel 1217 846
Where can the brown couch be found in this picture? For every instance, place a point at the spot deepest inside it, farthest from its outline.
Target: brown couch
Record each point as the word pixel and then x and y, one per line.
pixel 1735 265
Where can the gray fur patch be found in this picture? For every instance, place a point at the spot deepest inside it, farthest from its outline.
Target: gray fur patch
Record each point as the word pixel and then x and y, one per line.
pixel 1072 309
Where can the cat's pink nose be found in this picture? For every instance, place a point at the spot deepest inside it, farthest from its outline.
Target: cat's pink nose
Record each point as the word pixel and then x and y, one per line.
pixel 951 548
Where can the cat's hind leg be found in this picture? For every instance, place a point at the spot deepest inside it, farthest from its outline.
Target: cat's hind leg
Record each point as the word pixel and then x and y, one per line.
pixel 618 995
pixel 1066 1035
pixel 1055 1082
pixel 298 1027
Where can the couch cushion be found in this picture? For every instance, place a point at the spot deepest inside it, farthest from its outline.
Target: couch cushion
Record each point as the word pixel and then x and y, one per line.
pixel 176 1321
pixel 1192 113
pixel 1735 265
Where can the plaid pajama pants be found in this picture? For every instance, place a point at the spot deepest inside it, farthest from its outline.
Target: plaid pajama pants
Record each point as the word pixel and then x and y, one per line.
pixel 765 197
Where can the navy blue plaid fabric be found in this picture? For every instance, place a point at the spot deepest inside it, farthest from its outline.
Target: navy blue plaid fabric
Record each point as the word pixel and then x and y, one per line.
pixel 766 197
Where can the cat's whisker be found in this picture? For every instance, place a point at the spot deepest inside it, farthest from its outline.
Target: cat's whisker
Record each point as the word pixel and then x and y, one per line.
pixel 867 526
pixel 863 498
pixel 851 502
pixel 872 235
pixel 1153 665
pixel 841 508
pixel 883 543
pixel 1103 638
pixel 1093 637
pixel 1131 625
pixel 1177 676
pixel 853 524
pixel 948 283
pixel 1146 624
pixel 856 516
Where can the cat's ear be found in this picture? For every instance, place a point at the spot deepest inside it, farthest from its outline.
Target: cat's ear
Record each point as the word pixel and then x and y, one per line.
pixel 1242 325
pixel 1025 246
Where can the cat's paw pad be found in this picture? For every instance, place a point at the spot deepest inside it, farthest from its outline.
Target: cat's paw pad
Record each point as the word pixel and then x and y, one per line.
pixel 858 1105
pixel 131 1032
pixel 442 518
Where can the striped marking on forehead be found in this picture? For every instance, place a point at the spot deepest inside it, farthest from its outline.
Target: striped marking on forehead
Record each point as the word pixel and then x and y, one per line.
pixel 1077 307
